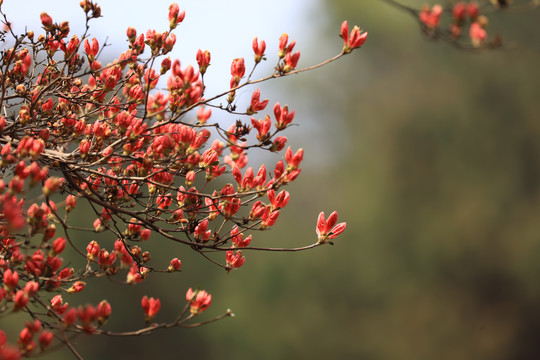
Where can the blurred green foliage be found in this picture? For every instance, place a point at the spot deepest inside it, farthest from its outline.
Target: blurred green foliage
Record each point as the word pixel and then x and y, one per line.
pixel 432 157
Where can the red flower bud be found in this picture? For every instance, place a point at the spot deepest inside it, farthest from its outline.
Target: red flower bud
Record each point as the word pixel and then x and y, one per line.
pixel 431 18
pixel 175 265
pixel 45 339
pixel 51 185
pixel 209 157
pixel 46 21
pixel 110 82
pixel 279 143
pixel 78 286
pixel 234 260
pixel 31 288
pixel 256 105
pixel 291 60
pixel 263 128
pixel 71 202
pixel 72 46
pixel 238 238
pixel 59 245
pixel 168 43
pixel 70 317
pixel 472 9
pixel 103 311
pixel 199 300
pixel 203 59
pixel 293 161
pixel 33 327
pixel 237 71
pixel 478 34
pixel 26 339
pixel 91 50
pixel 283 39
pixel 175 17
pixel 11 278
pixel 165 65
pixel 145 234
pixel 131 34
pixel 106 259
pixel 201 233
pixel 150 307
pixel 327 228
pixel 258 209
pixel 269 219
pixel 47 105
pixel 21 299
pixel 459 11
pixel 258 49
pixel 92 250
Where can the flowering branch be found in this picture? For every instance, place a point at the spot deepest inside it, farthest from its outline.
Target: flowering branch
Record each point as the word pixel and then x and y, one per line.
pixel 105 143
pixel 447 23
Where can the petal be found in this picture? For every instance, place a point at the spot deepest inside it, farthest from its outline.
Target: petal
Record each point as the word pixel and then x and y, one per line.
pixel 345 32
pixel 338 229
pixel 320 223
pixel 332 219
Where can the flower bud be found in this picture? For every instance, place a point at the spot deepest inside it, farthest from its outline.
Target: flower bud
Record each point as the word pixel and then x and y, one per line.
pixel 174 265
pixel 46 21
pixel 59 245
pixel 45 339
pixel 78 286
pixel 131 34
pixel 203 59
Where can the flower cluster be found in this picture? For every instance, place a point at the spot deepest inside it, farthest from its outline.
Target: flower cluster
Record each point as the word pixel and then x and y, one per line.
pixel 462 23
pixel 102 143
pixel 461 12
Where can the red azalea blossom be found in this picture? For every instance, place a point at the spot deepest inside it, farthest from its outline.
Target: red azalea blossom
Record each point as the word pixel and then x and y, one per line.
pixel 150 307
pixel 175 16
pixel 203 59
pixel 259 49
pixel 76 287
pixel 431 17
pixel 478 34
pixel 327 228
pixel 356 39
pixel 459 12
pixel 238 238
pixel 199 300
pixel 234 259
pixel 256 105
pixel 57 304
pixel 238 69
pixel 175 265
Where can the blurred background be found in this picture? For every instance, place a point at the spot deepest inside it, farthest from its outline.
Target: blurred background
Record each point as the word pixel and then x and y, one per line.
pixel 429 153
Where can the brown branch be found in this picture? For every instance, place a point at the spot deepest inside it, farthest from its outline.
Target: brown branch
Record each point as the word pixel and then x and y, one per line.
pixel 153 327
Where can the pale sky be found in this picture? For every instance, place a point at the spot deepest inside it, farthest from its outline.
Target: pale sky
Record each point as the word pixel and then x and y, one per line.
pixel 225 28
